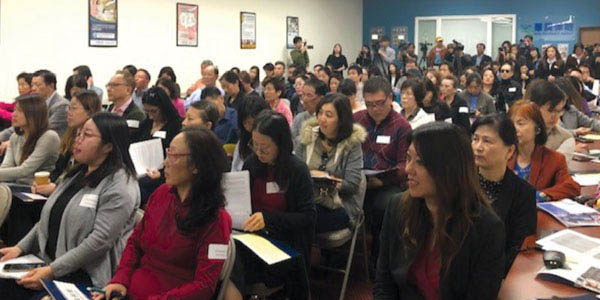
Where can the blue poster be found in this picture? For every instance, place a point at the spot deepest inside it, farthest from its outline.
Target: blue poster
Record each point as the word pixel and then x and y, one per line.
pixel 103 23
pixel 550 30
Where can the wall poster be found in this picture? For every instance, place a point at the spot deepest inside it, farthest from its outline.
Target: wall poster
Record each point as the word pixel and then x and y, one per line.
pixel 293 30
pixel 187 25
pixel 102 15
pixel 248 30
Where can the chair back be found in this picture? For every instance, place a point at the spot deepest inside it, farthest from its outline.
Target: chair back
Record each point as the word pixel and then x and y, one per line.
pixel 5 202
pixel 227 268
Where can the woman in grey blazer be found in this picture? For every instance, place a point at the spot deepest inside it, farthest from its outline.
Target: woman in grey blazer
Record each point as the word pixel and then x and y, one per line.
pixel 85 223
pixel 480 102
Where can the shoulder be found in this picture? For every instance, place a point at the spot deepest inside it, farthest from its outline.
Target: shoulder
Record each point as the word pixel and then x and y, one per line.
pixel 486 220
pixel 58 101
pixel 159 197
pixel 551 156
pixel 360 115
pixel 50 136
pixel 399 121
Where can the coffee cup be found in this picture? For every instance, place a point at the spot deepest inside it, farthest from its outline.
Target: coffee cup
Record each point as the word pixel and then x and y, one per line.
pixel 42 178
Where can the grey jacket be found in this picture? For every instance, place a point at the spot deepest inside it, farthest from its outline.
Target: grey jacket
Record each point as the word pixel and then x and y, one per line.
pixel 297 124
pixel 93 230
pixel 348 163
pixel 57 117
pixel 572 119
pixel 43 157
pixel 485 102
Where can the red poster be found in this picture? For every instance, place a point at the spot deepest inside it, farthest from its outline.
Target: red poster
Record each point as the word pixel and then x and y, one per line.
pixel 187 25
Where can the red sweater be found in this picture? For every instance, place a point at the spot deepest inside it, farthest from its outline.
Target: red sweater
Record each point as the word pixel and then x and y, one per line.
pixel 159 262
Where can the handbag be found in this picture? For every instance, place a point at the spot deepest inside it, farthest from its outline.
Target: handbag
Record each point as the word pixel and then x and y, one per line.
pixel 326 194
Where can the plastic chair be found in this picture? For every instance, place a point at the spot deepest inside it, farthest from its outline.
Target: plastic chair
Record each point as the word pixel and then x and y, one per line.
pixel 227 268
pixel 139 215
pixel 229 149
pixel 5 202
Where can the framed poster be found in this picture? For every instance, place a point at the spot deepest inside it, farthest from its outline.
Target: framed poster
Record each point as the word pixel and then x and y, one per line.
pixel 248 30
pixel 293 30
pixel 102 15
pixel 398 36
pixel 187 25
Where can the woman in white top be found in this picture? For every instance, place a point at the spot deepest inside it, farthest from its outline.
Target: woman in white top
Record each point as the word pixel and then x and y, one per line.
pixel 412 93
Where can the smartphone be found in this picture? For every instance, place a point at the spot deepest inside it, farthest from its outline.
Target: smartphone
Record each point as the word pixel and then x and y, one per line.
pixel 22 267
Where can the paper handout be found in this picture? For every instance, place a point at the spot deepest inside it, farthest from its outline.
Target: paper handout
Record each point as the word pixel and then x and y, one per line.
pixel 146 155
pixel 236 187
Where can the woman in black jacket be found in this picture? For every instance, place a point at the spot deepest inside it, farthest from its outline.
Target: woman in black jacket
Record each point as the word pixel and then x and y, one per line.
pixel 442 239
pixel 552 64
pixel 494 142
pixel 282 210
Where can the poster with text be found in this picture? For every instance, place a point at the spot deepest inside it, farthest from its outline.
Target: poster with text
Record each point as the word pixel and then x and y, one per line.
pixel 248 30
pixel 293 30
pixel 102 16
pixel 187 25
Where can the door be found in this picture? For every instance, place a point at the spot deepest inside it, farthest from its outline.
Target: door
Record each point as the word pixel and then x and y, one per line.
pixel 589 35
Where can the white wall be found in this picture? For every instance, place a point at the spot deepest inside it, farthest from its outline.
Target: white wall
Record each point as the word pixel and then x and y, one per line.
pixel 36 34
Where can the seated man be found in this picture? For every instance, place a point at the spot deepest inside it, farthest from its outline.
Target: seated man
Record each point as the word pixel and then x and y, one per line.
pixel 119 90
pixel 226 127
pixel 209 79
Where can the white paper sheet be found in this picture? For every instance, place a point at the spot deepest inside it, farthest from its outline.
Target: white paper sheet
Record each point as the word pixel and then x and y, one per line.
pixel 70 291
pixel 147 155
pixel 27 259
pixel 236 187
pixel 590 179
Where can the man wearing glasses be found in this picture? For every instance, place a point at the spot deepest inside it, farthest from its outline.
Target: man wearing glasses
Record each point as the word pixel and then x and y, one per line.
pixel 119 90
pixel 384 151
pixel 508 90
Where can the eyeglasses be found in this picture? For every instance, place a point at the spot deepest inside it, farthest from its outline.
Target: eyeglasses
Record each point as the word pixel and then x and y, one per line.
pixel 151 111
pixel 264 150
pixel 174 156
pixel 113 85
pixel 82 135
pixel 373 104
pixel 504 71
pixel 71 107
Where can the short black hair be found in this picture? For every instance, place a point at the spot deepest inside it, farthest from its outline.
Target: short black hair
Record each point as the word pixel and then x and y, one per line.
pixel 344 111
pixel 277 83
pixel 145 72
pixel 347 87
pixel 356 68
pixel 251 107
pixel 169 72
pixel 417 87
pixel 377 84
pixel 280 63
pixel 542 91
pixel 83 70
pixel 156 96
pixel 131 69
pixel 169 85
pixel 25 76
pixel 49 77
pixel 320 87
pixel 501 124
pixel 268 67
pixel 208 112
pixel 475 77
pixel 297 39
pixel 210 92
pixel 482 44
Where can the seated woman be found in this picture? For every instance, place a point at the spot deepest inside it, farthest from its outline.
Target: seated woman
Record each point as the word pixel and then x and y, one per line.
pixel 86 221
pixel 480 102
pixel 234 89
pixel 201 113
pixel 330 145
pixel 83 105
pixel 250 108
pixel 494 142
pixel 162 122
pixel 171 88
pixel 167 256
pixel 273 89
pixel 33 146
pixel 283 210
pixel 412 92
pixel 574 118
pixel 545 169
pixel 443 228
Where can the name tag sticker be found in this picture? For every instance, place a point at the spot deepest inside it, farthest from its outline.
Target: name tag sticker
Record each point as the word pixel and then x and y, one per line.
pixel 383 139
pixel 463 110
pixel 89 200
pixel 160 134
pixel 217 251
pixel 512 89
pixel 449 120
pixel 272 187
pixel 133 123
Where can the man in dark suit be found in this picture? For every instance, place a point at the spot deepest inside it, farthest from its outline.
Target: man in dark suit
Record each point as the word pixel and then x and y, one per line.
pixel 119 90
pixel 481 59
pixel 43 83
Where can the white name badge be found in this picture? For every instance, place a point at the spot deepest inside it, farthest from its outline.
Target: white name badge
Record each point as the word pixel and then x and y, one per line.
pixel 463 110
pixel 512 89
pixel 272 187
pixel 133 123
pixel 217 251
pixel 383 139
pixel 89 200
pixel 449 120
pixel 160 134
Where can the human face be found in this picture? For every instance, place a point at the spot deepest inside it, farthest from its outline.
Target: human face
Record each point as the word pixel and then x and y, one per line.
pixel 76 114
pixel 141 80
pixel 299 86
pixel 427 99
pixel 392 69
pixel 488 77
pixel 298 44
pixel 75 90
pixel 230 88
pixel 533 53
pixel 550 52
pixel 279 69
pixel 192 118
pixel 524 69
pixel 420 183
pixel 447 87
pixel 24 87
pixel 209 76
pixel 40 87
pixel 378 105
pixel 291 71
pixel 153 112
pixel 265 148
pixel 440 43
pixel 309 98
pixel 248 123
pixel 18 117
pixel 431 77
pixel 552 116
pixel 337 49
pixel 365 75
pixel 506 72
pixel 514 50
pixel 177 170
pixel 328 120
pixel 117 89
pixel 323 76
pixel 480 49
pixel 489 149
pixel 352 74
pixel 408 99
pixel 576 74
pixel 474 88
pixel 252 73
pixel 271 94
pixel 444 70
pixel 585 72
pixel 411 66
pixel 334 83
pixel 526 130
pixel 89 149
pixel 463 80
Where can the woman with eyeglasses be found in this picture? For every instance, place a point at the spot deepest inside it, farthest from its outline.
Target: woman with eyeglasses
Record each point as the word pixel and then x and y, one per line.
pixel 248 111
pixel 84 224
pixel 168 255
pixel 162 123
pixel 330 145
pixel 283 209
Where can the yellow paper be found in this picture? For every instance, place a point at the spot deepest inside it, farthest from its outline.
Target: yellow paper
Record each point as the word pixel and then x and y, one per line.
pixel 591 137
pixel 262 247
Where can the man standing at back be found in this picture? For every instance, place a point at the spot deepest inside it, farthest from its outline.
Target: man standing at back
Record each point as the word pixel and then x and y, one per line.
pixel 299 55
pixel 481 59
pixel 210 74
pixel 119 90
pixel 384 151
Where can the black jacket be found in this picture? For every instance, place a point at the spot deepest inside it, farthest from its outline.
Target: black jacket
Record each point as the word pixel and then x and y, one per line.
pixel 516 206
pixel 557 69
pixel 134 116
pixel 459 110
pixel 485 60
pixel 170 130
pixel 476 271
pixel 507 92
